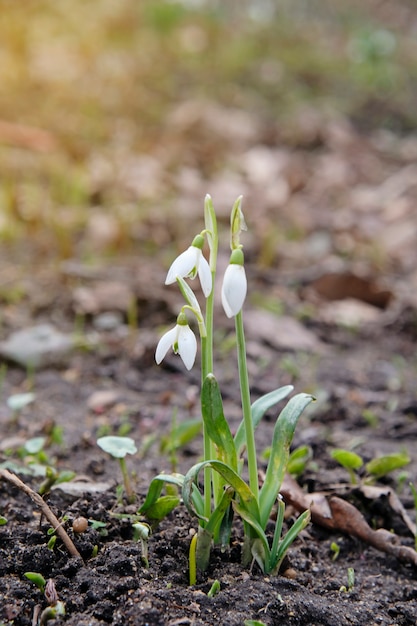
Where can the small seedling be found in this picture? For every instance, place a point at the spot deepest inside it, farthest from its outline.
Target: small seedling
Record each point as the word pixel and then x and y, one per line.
pixel 18 402
pixel 214 589
pixel 375 469
pixel 99 526
pixel 118 448
pixel 383 465
pixel 350 461
pixel 178 436
pixel 298 460
pixel 55 607
pixel 37 579
pixel 141 533
pixel 350 581
pixel 3 520
pixel 335 548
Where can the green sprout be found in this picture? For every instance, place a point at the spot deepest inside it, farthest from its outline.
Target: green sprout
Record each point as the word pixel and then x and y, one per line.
pixel 349 460
pixel 178 436
pixel 335 548
pixel 350 581
pixel 141 533
pixel 118 448
pixel 18 402
pixel 227 458
pixel 376 468
pixel 37 579
pixel 214 589
pixel 383 465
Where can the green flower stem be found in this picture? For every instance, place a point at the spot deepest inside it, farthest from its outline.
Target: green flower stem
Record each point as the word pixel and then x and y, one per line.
pixel 246 406
pixel 207 443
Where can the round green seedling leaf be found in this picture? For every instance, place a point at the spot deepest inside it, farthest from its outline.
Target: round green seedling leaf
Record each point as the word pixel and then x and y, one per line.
pixel 118 447
pixel 34 445
pixel 348 459
pixel 18 401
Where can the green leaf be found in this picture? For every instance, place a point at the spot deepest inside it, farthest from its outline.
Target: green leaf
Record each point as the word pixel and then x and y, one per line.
pixel 346 458
pixel 276 559
pixel 298 460
pixel 155 488
pixel 161 508
pixel 18 401
pixel 253 521
pixel 280 450
pixel 117 447
pixel 37 579
pixel 259 408
pixel 385 464
pixel 35 445
pixel 181 434
pixel 202 553
pixel 246 497
pixel 216 425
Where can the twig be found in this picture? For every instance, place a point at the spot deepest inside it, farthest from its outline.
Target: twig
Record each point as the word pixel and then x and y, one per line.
pixel 40 502
pixel 335 513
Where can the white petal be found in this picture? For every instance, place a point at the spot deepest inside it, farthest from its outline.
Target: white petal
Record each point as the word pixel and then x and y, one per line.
pixel 187 346
pixel 165 343
pixel 182 265
pixel 234 289
pixel 204 274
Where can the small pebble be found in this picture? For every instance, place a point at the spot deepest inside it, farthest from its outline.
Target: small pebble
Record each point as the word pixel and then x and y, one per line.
pixel 80 525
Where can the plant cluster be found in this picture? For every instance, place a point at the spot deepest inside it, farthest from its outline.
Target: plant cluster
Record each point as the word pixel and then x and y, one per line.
pixel 227 458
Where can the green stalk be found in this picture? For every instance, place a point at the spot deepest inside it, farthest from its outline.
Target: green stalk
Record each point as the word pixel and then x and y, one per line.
pixel 207 444
pixel 126 481
pixel 246 406
pixel 211 480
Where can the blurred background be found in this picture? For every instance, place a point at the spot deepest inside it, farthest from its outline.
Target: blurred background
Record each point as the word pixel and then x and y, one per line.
pixel 118 116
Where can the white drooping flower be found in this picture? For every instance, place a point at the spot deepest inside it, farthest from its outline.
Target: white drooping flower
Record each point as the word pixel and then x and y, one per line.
pixel 182 340
pixel 234 286
pixel 190 263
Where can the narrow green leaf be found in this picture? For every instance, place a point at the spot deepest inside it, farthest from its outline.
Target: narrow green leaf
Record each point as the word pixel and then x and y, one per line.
pixel 215 422
pixel 202 553
pixel 180 434
pixel 280 450
pixel 253 521
pixel 259 408
pixel 246 497
pixel 156 486
pixel 276 559
pixel 220 510
pixel 161 508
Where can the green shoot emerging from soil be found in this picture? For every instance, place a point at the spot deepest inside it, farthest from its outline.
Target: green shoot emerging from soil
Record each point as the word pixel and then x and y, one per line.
pixel 227 458
pixel 118 448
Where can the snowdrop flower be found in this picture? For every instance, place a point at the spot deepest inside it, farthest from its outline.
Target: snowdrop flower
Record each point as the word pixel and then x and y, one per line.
pixel 189 264
pixel 234 286
pixel 181 339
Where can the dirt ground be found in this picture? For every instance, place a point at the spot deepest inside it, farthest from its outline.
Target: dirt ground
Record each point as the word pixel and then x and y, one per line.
pixel 364 380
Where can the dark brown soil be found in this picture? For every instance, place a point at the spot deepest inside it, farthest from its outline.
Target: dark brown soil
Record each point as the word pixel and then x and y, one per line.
pixel 355 374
